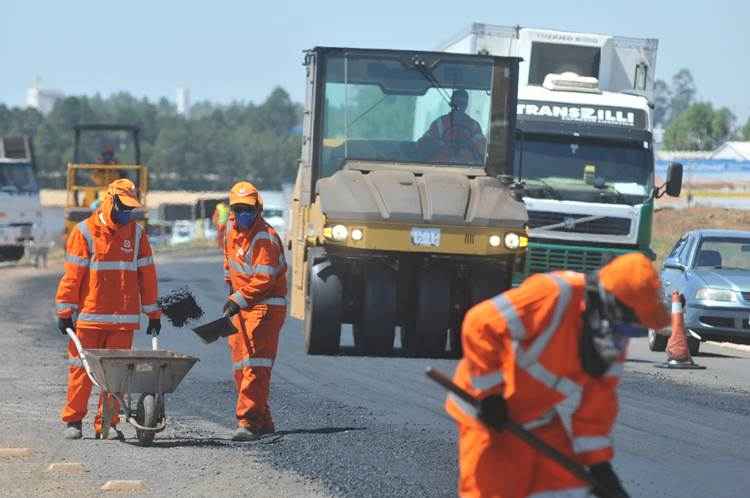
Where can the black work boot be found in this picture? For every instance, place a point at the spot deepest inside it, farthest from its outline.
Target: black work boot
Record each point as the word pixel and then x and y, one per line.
pixel 73 431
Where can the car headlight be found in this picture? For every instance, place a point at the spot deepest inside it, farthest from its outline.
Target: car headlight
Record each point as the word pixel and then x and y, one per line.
pixel 512 240
pixel 339 233
pixel 495 241
pixel 357 234
pixel 721 295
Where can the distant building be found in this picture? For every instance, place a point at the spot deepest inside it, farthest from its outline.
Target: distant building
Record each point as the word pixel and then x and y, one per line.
pixel 42 99
pixel 183 101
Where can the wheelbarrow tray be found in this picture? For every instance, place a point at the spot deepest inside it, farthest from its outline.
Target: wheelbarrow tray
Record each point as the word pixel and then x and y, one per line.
pixel 129 371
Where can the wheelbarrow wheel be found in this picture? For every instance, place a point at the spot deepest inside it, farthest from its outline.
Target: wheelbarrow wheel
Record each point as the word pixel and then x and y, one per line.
pixel 147 417
pixel 107 407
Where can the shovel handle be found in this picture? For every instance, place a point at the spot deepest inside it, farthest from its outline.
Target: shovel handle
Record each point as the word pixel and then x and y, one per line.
pixel 526 436
pixel 73 337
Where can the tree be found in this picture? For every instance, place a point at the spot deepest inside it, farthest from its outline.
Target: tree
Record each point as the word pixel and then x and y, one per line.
pixel 662 98
pixel 682 93
pixel 700 127
pixel 745 131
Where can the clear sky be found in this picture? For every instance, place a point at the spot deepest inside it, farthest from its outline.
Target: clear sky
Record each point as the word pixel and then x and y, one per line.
pixel 238 50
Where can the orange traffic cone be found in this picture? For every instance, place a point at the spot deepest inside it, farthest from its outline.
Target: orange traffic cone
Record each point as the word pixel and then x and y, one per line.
pixel 678 352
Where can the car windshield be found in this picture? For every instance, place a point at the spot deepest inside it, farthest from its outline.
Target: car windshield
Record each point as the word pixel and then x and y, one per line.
pixel 726 253
pixel 17 179
pixel 389 107
pixel 582 169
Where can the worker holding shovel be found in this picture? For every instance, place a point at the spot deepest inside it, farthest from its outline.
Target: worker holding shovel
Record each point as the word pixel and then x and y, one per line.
pixel 548 356
pixel 255 269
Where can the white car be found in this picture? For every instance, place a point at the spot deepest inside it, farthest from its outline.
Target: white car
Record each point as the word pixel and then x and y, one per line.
pixel 275 218
pixel 183 231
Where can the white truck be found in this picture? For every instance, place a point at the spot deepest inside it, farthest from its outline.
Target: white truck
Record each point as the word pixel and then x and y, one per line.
pixel 20 207
pixel 584 146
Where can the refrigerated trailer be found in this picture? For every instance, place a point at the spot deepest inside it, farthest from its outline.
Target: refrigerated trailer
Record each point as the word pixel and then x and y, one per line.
pixel 584 141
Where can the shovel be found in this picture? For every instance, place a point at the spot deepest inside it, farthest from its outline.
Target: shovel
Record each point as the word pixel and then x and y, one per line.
pixel 211 331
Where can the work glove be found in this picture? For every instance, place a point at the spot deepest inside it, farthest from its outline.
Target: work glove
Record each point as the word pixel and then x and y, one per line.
pixel 608 481
pixel 231 308
pixel 154 326
pixel 493 411
pixel 65 323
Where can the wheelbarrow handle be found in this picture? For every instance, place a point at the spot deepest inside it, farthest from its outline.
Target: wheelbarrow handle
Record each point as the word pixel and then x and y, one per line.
pixel 526 436
pixel 82 355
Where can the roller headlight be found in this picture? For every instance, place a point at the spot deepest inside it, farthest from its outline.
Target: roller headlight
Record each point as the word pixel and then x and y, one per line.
pixel 357 234
pixel 720 295
pixel 339 233
pixel 495 241
pixel 512 240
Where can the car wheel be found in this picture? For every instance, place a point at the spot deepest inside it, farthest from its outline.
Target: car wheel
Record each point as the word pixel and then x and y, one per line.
pixel 656 342
pixel 694 345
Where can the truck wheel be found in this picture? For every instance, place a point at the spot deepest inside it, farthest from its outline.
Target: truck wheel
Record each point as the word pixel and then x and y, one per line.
pixel 375 330
pixel 428 333
pixel 11 253
pixel 656 342
pixel 322 307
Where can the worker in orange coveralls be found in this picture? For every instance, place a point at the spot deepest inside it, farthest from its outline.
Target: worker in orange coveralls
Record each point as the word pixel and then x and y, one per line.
pixel 109 280
pixel 219 219
pixel 548 355
pixel 255 269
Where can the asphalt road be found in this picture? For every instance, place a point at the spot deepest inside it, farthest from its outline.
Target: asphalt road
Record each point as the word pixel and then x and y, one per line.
pixel 348 425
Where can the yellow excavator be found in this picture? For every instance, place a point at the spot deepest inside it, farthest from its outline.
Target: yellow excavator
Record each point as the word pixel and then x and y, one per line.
pixel 89 176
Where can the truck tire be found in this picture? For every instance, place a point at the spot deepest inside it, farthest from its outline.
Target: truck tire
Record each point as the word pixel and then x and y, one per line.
pixel 322 306
pixel 375 329
pixel 427 334
pixel 11 253
pixel 656 342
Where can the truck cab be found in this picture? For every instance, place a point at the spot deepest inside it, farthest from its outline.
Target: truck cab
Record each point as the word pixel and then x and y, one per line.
pixel 584 141
pixel 20 207
pixel 396 221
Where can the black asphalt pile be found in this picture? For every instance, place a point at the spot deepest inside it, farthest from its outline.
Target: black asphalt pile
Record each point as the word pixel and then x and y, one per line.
pixel 180 306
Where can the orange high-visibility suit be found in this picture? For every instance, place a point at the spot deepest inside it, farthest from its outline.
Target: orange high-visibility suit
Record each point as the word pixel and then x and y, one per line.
pixel 255 268
pixel 524 345
pixel 109 280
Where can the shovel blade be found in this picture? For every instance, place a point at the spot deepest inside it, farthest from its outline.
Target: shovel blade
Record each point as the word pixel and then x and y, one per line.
pixel 211 331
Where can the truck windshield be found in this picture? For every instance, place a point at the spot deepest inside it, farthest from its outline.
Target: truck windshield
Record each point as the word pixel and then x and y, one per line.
pixel 17 179
pixel 391 108
pixel 584 169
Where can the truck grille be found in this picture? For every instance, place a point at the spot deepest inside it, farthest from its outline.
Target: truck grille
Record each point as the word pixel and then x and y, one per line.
pixel 544 259
pixel 608 225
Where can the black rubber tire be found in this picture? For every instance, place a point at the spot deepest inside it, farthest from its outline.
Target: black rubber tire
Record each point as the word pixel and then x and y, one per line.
pixel 375 329
pixel 657 342
pixel 694 345
pixel 428 332
pixel 322 307
pixel 148 416
pixel 11 253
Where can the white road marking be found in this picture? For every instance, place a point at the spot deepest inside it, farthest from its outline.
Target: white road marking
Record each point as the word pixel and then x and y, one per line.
pixel 123 486
pixel 15 452
pixel 66 467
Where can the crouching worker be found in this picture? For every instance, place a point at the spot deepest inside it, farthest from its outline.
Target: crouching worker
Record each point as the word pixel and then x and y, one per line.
pixel 109 280
pixel 548 355
pixel 255 269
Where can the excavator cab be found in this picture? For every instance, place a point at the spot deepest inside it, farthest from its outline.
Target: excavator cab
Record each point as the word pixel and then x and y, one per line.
pixel 103 153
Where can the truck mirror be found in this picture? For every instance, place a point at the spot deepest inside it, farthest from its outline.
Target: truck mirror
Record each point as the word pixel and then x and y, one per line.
pixel 674 180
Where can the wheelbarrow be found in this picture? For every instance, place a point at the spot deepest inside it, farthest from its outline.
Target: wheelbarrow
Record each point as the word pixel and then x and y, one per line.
pixel 120 373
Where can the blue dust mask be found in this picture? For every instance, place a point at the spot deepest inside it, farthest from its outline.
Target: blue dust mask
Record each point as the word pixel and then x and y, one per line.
pixel 121 216
pixel 245 219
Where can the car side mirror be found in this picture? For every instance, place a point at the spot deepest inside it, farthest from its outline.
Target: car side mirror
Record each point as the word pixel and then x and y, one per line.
pixel 674 180
pixel 674 265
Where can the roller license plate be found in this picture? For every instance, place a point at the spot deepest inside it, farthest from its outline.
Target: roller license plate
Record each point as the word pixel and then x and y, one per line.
pixel 426 237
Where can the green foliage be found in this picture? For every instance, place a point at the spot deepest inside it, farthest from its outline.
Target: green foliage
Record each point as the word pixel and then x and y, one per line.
pixel 217 146
pixel 745 131
pixel 671 100
pixel 700 127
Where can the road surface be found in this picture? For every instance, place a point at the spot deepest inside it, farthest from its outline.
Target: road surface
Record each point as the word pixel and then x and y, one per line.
pixel 348 425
